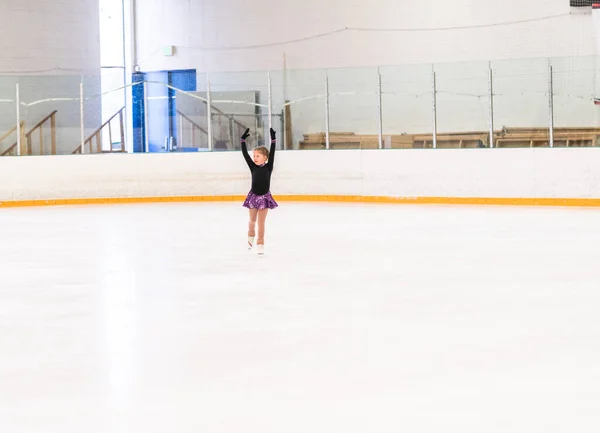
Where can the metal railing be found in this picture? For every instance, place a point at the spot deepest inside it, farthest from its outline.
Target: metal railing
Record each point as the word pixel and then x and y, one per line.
pixel 97 136
pixel 12 149
pixel 194 127
pixel 40 127
pixel 226 129
pixel 27 137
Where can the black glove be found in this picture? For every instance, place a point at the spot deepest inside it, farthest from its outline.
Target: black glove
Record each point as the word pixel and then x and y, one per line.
pixel 246 134
pixel 272 134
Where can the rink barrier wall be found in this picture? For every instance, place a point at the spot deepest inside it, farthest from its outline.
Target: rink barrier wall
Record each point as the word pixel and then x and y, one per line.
pixel 314 199
pixel 528 177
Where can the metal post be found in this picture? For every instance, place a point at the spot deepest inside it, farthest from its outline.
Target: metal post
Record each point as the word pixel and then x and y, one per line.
pixel 257 124
pixel 18 100
pixel 326 111
pixel 209 113
pixel 434 83
pixel 551 103
pixel 181 143
pixel 491 96
pixel 123 125
pixel 231 137
pixel 193 137
pixel 146 132
pixel 270 92
pixel 379 109
pixel 82 117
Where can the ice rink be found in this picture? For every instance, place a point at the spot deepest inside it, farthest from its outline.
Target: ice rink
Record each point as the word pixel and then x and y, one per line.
pixel 359 318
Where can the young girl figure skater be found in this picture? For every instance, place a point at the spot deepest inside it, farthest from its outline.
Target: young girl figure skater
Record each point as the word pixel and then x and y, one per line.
pixel 259 199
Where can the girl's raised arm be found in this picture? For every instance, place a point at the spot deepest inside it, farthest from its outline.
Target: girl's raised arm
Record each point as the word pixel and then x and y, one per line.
pixel 245 149
pixel 272 150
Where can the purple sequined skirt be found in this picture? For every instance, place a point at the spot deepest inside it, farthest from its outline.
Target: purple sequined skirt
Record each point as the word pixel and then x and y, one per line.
pixel 254 201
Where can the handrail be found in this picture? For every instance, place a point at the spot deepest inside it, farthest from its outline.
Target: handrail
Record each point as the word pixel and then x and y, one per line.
pixel 9 150
pixel 195 126
pixel 192 122
pixel 41 122
pixel 52 118
pixel 237 122
pixel 13 129
pixel 104 124
pixel 98 135
pixel 26 136
pixel 14 145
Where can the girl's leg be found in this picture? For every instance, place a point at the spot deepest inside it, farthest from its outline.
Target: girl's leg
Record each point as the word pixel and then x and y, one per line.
pixel 262 217
pixel 252 224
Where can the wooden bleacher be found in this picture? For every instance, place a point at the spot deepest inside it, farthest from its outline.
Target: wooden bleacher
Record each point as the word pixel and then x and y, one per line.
pixel 540 137
pixel 350 140
pixel 505 138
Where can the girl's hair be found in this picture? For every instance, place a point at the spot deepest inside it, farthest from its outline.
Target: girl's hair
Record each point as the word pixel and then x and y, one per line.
pixel 263 150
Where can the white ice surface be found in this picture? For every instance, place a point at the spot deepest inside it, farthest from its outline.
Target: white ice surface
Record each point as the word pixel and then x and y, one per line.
pixel 382 319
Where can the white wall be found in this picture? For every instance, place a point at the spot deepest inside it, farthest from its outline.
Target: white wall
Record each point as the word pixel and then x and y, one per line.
pixel 46 34
pixel 204 30
pixel 47 47
pixel 477 173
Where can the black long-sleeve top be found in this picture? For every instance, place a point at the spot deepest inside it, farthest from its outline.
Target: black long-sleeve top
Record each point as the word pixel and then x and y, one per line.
pixel 261 174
